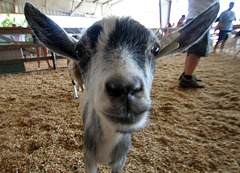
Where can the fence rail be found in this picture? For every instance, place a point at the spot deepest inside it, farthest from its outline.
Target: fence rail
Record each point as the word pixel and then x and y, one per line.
pixel 10 46
pixel 17 45
pixel 15 61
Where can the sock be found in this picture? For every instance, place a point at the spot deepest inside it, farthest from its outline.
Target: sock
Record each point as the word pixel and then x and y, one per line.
pixel 188 77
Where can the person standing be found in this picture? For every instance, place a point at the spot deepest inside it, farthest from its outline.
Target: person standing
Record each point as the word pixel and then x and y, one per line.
pixel 181 21
pixel 198 50
pixel 18 37
pixel 225 25
pixel 38 49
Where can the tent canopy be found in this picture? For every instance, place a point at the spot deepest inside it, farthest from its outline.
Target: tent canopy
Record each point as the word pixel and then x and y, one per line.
pixel 150 13
pixel 60 7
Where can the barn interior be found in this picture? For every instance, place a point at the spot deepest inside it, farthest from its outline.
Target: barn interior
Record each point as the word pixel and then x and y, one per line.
pixel 189 130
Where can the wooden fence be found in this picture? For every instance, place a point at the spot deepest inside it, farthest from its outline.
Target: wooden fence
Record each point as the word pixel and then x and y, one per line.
pixel 12 51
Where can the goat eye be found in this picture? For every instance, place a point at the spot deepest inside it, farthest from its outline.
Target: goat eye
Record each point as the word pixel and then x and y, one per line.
pixel 80 52
pixel 155 49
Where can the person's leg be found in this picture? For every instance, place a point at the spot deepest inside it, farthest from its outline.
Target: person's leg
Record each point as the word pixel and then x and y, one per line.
pixel 187 79
pixel 215 47
pixel 186 62
pixel 49 65
pixel 220 38
pixel 191 63
pixel 38 49
pixel 222 45
pixel 225 37
pixel 45 52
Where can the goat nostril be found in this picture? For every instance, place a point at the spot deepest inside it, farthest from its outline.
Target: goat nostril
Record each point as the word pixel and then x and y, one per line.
pixel 137 87
pixel 115 89
pixel 122 88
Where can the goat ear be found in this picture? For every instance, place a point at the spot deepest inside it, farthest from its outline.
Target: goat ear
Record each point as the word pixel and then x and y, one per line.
pixel 184 38
pixel 49 33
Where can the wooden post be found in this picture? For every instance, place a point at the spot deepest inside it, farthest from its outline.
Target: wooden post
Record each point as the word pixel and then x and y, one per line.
pixel 16 10
pixel 169 11
pixel 54 60
pixel 160 13
pixel 11 45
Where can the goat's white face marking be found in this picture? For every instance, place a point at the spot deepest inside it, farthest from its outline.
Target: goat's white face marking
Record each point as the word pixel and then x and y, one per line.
pixel 120 71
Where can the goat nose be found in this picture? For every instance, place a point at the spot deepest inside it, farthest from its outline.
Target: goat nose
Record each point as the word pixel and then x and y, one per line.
pixel 116 87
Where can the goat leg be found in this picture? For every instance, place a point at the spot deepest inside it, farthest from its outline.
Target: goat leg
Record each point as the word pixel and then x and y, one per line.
pixel 235 56
pixel 75 89
pixel 90 165
pixel 118 167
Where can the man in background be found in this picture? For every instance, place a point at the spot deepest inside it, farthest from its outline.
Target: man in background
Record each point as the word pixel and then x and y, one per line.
pixel 225 25
pixel 198 50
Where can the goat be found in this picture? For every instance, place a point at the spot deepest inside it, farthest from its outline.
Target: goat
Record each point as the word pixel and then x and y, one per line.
pixel 238 51
pixel 231 43
pixel 235 56
pixel 236 37
pixel 117 57
pixel 75 75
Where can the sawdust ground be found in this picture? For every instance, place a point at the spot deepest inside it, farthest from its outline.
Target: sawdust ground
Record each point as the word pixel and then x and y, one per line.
pixel 189 130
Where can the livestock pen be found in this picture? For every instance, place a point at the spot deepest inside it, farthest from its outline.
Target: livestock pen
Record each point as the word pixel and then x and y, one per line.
pixel 15 56
pixel 189 130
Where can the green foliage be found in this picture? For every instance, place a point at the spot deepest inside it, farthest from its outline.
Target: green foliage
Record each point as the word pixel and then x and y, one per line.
pixel 7 20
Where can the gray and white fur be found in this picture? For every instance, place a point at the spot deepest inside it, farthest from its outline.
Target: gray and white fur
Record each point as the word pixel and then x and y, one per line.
pixel 75 76
pixel 116 58
pixel 117 72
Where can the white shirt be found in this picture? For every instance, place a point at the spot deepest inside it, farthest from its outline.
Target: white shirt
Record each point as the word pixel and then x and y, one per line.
pixel 196 7
pixel 20 37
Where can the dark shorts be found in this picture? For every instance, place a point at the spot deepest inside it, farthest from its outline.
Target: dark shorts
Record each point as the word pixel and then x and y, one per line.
pixel 201 48
pixel 36 40
pixel 223 35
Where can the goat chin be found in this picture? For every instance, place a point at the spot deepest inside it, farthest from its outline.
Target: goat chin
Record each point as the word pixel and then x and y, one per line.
pixel 133 127
pixel 126 127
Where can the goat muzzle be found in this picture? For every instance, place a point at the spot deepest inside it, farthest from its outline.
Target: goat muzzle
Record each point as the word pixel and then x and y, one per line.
pixel 127 100
pixel 126 90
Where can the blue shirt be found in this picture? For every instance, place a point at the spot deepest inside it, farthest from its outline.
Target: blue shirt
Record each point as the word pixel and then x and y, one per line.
pixel 227 17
